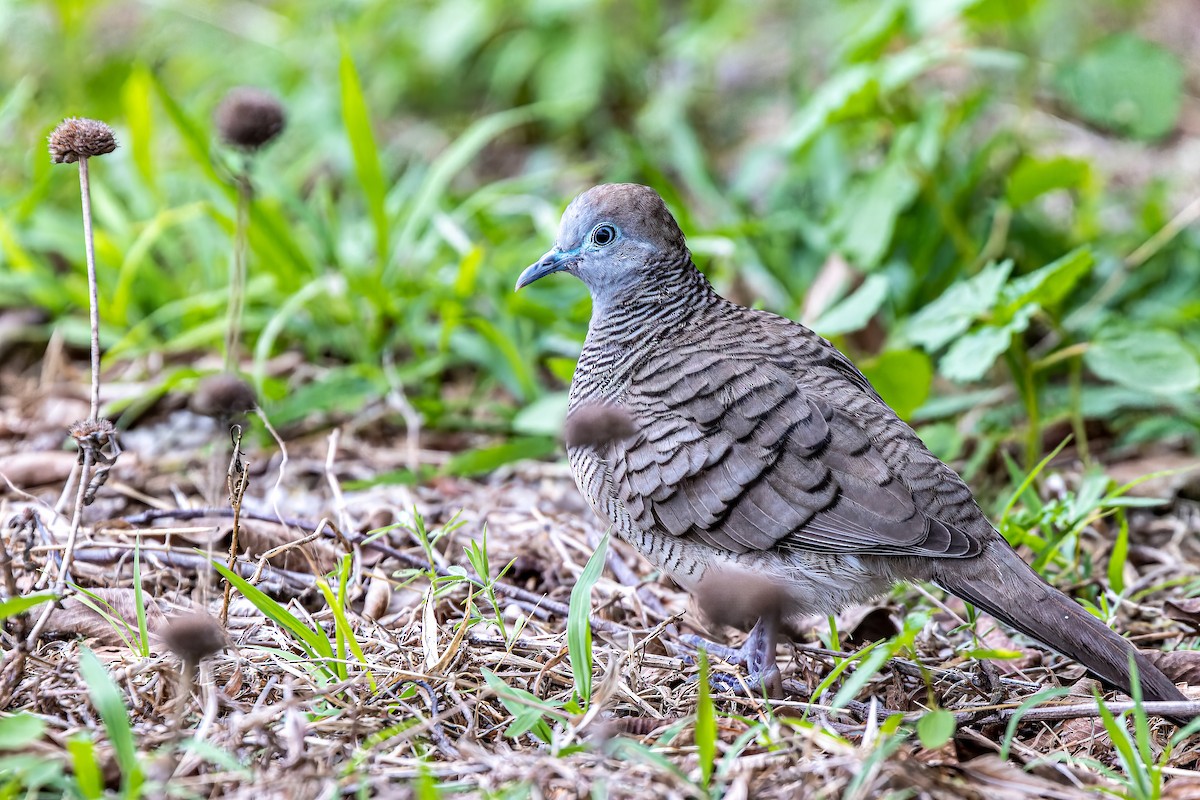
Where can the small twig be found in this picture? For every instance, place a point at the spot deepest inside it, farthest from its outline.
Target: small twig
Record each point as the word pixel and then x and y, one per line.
pixel 397 400
pixel 237 479
pixel 1163 708
pixel 339 500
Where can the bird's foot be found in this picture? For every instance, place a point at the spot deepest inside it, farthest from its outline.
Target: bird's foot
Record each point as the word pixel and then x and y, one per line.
pixel 757 655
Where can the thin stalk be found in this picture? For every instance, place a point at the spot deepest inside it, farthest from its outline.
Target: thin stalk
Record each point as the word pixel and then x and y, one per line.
pixel 237 268
pixel 60 582
pixel 93 294
pixel 1023 375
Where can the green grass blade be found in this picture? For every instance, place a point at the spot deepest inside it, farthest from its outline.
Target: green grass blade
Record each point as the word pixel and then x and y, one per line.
pixel 366 152
pixel 706 723
pixel 579 626
pixel 315 642
pixel 19 605
pixel 106 697
pixel 88 779
pixel 139 602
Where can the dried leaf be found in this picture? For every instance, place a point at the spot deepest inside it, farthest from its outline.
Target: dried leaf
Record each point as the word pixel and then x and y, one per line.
pixel 77 619
pixel 1181 666
pixel 1186 610
pixel 37 469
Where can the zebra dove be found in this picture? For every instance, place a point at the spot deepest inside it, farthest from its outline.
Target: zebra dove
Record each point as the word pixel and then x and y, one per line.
pixel 759 456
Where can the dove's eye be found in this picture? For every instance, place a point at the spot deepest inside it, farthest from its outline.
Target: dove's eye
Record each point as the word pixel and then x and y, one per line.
pixel 604 234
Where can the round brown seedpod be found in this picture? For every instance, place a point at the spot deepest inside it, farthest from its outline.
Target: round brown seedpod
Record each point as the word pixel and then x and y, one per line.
pixel 223 395
pixel 77 138
pixel 248 118
pixel 194 636
pixel 597 425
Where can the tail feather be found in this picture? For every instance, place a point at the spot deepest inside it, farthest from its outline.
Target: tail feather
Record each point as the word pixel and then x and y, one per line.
pixel 1002 584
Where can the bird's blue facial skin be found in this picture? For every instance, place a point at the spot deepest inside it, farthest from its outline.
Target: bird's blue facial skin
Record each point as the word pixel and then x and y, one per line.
pixel 604 236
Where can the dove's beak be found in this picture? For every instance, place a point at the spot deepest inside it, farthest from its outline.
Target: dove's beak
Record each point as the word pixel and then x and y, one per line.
pixel 554 261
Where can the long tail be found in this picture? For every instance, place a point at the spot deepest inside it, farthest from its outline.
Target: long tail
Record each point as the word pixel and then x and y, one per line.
pixel 1002 584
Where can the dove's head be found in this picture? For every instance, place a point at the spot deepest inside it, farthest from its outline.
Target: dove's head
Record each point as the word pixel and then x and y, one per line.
pixel 614 237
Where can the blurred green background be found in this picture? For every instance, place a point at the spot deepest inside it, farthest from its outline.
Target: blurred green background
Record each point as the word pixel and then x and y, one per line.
pixel 988 204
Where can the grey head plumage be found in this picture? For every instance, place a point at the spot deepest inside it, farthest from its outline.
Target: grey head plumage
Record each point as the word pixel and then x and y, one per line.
pixel 619 239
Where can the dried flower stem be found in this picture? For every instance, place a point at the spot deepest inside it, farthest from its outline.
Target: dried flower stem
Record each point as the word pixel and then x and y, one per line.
pixel 237 267
pixel 238 478
pixel 93 294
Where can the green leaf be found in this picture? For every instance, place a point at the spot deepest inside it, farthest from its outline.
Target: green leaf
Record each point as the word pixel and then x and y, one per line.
pixel 706 723
pixel 952 314
pixel 972 355
pixel 486 459
pixel 869 211
pixel 1126 84
pixel 88 775
pixel 1046 286
pixel 903 379
pixel 579 625
pixel 20 730
pixel 107 699
pixel 1156 361
pixel 136 94
pixel 316 643
pixel 935 728
pixel 366 153
pixel 543 417
pixel 1034 177
pixel 528 710
pixel 19 605
pixel 854 312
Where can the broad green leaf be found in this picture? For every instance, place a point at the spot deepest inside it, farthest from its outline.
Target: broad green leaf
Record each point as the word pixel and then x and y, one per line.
pixel 974 353
pixel 951 315
pixel 852 91
pixel 1155 361
pixel 579 625
pixel 868 214
pixel 20 730
pixel 854 312
pixel 935 728
pixel 1126 84
pixel 903 379
pixel 1046 286
pixel 1034 177
pixel 543 417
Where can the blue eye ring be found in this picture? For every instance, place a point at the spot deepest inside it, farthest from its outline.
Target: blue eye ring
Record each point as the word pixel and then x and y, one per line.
pixel 603 235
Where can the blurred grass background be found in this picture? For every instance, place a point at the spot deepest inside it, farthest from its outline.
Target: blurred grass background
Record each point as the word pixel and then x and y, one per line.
pixel 987 203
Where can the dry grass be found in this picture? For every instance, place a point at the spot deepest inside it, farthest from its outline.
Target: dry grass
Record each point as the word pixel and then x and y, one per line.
pixel 414 716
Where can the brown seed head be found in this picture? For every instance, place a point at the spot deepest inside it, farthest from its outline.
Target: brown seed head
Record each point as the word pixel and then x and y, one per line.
pixel 77 138
pixel 98 430
pixel 597 425
pixel 194 636
pixel 223 395
pixel 248 118
pixel 739 598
